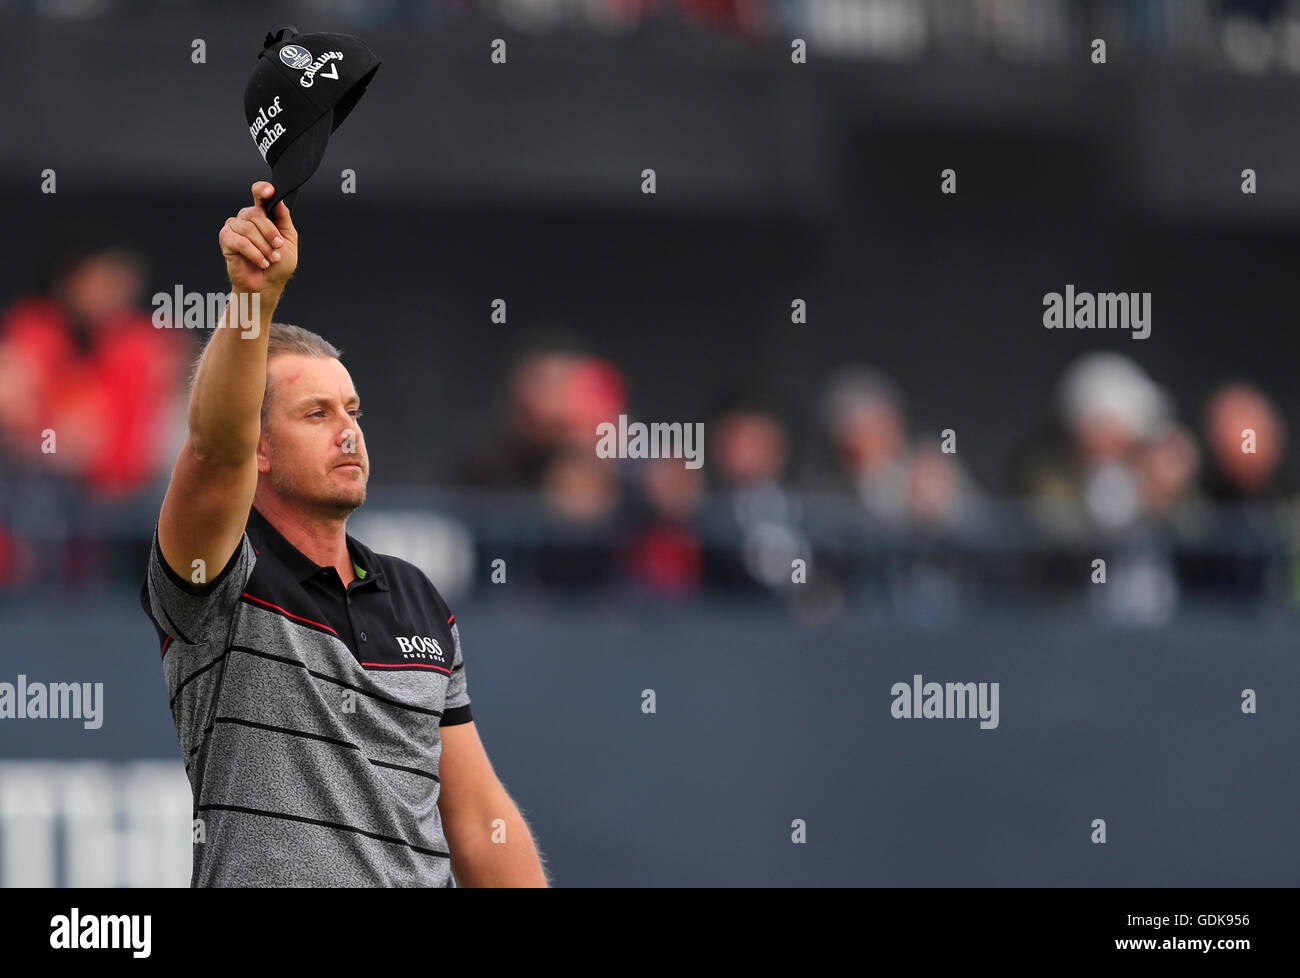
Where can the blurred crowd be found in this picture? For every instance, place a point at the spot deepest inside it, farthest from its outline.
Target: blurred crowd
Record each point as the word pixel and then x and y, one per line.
pixel 862 513
pixel 1198 515
pixel 882 516
pixel 1246 35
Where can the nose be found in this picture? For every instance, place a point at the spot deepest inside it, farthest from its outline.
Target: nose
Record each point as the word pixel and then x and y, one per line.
pixel 350 440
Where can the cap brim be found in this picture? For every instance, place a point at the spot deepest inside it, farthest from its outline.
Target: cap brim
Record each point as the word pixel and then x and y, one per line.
pixel 299 161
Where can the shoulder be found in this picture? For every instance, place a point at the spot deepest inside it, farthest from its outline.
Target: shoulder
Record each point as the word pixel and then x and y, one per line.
pixel 33 320
pixel 410 579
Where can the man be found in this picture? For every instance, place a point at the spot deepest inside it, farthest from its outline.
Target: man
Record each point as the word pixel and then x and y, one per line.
pixel 318 688
pixel 84 360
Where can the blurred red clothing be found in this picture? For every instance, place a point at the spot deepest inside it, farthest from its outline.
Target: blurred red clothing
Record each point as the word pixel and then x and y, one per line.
pixel 667 559
pixel 109 404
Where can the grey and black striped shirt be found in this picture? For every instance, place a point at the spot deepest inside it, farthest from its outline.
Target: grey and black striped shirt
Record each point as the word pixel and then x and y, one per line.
pixel 309 714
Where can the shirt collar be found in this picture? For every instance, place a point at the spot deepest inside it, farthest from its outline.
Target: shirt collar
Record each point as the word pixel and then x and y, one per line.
pixel 303 567
pixel 365 558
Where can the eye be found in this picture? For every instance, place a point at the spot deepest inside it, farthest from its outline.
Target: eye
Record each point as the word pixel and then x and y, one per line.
pixel 355 412
pixel 317 413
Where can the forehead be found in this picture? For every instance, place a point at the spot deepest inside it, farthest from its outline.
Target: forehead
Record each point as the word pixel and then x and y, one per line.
pixel 295 375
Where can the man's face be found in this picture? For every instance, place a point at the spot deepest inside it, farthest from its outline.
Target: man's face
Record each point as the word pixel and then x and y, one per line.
pixel 312 449
pixel 101 286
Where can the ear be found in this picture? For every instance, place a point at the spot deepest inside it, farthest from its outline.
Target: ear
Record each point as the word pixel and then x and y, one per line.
pixel 263 453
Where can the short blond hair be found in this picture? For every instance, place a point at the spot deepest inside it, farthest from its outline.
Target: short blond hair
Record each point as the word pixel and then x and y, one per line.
pixel 286 338
pixel 282 338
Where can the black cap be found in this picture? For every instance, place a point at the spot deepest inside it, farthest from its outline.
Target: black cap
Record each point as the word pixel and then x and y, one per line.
pixel 302 89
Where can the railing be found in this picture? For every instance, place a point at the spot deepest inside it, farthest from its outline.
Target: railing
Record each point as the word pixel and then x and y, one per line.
pixel 819 555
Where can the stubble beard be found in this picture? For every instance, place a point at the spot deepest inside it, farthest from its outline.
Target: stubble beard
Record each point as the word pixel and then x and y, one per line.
pixel 328 501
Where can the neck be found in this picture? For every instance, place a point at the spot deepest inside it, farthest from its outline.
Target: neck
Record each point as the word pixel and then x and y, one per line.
pixel 322 538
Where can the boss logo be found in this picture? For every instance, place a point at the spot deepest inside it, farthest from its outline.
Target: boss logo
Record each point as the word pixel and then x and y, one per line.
pixel 421 647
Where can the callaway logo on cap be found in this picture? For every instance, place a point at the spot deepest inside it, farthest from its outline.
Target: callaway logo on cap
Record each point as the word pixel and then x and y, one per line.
pixel 302 89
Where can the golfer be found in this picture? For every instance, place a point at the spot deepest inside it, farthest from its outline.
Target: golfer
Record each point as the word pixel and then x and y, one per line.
pixel 318 688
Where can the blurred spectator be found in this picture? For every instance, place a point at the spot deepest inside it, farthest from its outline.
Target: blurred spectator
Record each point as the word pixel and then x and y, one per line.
pixel 580 488
pixel 1244 550
pixel 1246 438
pixel 545 441
pixel 582 499
pixel 1084 477
pixel 750 450
pixel 914 498
pixel 1166 466
pixel 533 426
pixel 85 363
pixel 664 554
pixel 867 457
pixel 1107 481
pixel 865 442
pixel 90 396
pixel 940 494
pixel 747 451
pixel 555 398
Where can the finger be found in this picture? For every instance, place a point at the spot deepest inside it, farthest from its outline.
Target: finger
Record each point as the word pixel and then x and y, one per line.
pixel 284 221
pixel 249 230
pixel 264 224
pixel 236 245
pixel 254 234
pixel 233 244
pixel 262 192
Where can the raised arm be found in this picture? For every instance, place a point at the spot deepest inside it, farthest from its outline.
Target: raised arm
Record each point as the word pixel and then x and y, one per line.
pixel 212 485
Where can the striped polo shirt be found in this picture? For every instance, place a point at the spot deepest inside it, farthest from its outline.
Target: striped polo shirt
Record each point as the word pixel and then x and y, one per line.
pixel 308 714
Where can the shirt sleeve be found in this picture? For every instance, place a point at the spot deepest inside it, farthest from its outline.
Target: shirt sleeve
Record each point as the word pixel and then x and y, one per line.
pixel 191 613
pixel 456 707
